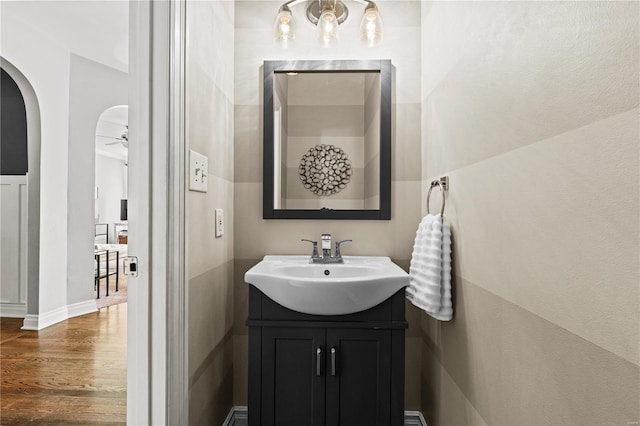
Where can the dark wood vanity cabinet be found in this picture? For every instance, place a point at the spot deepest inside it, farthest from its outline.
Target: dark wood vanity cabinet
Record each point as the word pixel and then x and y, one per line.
pixel 326 370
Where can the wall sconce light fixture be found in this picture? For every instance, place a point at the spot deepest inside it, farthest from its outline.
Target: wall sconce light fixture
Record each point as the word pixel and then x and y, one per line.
pixel 327 15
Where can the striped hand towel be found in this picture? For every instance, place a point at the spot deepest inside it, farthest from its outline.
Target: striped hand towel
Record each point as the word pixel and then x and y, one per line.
pixel 430 270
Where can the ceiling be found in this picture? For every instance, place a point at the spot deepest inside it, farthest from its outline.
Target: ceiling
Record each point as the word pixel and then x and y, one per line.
pixel 95 29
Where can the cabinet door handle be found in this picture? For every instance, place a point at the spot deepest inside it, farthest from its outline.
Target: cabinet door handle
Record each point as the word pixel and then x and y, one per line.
pixel 333 361
pixel 318 361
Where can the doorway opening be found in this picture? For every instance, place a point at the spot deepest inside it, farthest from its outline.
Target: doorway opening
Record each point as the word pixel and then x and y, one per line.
pixel 111 206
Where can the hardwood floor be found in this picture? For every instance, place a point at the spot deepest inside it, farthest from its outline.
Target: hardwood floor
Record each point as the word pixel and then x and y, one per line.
pixel 74 372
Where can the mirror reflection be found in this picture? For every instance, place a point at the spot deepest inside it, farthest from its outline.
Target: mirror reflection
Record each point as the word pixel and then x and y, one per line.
pixel 327 139
pixel 326 134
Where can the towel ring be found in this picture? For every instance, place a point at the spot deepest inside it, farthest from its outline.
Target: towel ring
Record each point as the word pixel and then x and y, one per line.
pixel 442 188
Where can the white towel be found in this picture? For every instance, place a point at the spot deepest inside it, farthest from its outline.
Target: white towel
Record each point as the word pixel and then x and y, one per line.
pixel 430 270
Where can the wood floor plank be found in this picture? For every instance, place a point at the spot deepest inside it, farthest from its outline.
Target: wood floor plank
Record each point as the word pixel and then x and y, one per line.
pixel 70 373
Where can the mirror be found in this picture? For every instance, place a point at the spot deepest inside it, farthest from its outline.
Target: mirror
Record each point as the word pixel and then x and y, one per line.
pixel 327 140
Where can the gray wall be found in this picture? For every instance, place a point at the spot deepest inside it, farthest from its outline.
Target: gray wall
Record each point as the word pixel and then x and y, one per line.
pixel 531 108
pixel 209 123
pixel 13 128
pixel 93 89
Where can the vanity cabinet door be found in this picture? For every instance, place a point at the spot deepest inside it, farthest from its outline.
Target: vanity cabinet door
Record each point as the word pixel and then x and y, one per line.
pixel 358 377
pixel 293 376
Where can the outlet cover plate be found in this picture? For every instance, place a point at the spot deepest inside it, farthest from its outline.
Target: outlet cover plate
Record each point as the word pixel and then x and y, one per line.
pixel 219 223
pixel 198 172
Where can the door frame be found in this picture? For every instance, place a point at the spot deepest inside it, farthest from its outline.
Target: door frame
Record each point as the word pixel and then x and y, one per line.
pixel 157 340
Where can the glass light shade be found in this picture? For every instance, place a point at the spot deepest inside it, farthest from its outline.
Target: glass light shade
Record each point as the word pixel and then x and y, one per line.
pixel 328 27
pixel 284 29
pixel 371 27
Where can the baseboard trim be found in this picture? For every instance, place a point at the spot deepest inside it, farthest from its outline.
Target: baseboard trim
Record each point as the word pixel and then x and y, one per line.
pixel 414 418
pixel 13 310
pixel 40 321
pixel 238 416
pixel 30 322
pixel 82 308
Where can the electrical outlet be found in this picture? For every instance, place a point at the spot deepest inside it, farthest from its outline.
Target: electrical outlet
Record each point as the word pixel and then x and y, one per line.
pixel 198 172
pixel 219 223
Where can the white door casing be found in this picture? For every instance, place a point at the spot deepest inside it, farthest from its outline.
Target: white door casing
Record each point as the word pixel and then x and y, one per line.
pixel 157 382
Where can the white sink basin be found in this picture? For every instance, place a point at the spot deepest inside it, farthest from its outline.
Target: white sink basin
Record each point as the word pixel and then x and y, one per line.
pixel 360 283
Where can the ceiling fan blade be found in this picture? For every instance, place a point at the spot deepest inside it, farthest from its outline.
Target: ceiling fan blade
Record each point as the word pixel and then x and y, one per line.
pixel 123 141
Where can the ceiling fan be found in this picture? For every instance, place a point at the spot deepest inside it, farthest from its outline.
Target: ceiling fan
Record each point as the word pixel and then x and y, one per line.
pixel 123 139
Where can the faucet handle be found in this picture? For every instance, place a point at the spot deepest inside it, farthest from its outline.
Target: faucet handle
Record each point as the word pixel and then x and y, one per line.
pixel 338 243
pixel 315 248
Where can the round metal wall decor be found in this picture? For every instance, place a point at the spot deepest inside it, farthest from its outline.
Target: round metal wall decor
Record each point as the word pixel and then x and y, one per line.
pixel 325 169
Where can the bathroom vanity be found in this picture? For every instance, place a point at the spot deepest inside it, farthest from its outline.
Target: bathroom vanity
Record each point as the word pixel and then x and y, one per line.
pixel 307 369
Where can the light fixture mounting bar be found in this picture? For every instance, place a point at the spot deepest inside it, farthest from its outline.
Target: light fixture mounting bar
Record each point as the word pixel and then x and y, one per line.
pixel 315 8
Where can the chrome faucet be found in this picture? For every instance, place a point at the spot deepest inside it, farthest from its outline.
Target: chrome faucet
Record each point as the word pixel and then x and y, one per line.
pixel 326 246
pixel 326 250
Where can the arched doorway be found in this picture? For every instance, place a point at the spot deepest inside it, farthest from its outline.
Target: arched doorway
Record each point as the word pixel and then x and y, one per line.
pixel 30 255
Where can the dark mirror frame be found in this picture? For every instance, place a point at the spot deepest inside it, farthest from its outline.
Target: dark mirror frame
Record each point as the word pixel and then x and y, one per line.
pixel 384 67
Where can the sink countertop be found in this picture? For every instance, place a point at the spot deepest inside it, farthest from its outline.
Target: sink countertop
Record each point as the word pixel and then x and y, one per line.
pixel 360 283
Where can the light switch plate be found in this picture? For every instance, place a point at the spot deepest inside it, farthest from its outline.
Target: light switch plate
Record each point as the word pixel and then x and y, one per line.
pixel 198 172
pixel 219 223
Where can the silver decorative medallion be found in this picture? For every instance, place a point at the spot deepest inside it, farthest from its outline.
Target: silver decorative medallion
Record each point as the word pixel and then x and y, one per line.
pixel 325 169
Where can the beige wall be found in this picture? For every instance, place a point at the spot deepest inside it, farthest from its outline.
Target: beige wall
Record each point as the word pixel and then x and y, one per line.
pixel 209 122
pixel 531 109
pixel 255 237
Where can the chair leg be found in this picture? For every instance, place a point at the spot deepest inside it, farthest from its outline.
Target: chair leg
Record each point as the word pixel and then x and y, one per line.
pixel 107 277
pixel 117 268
